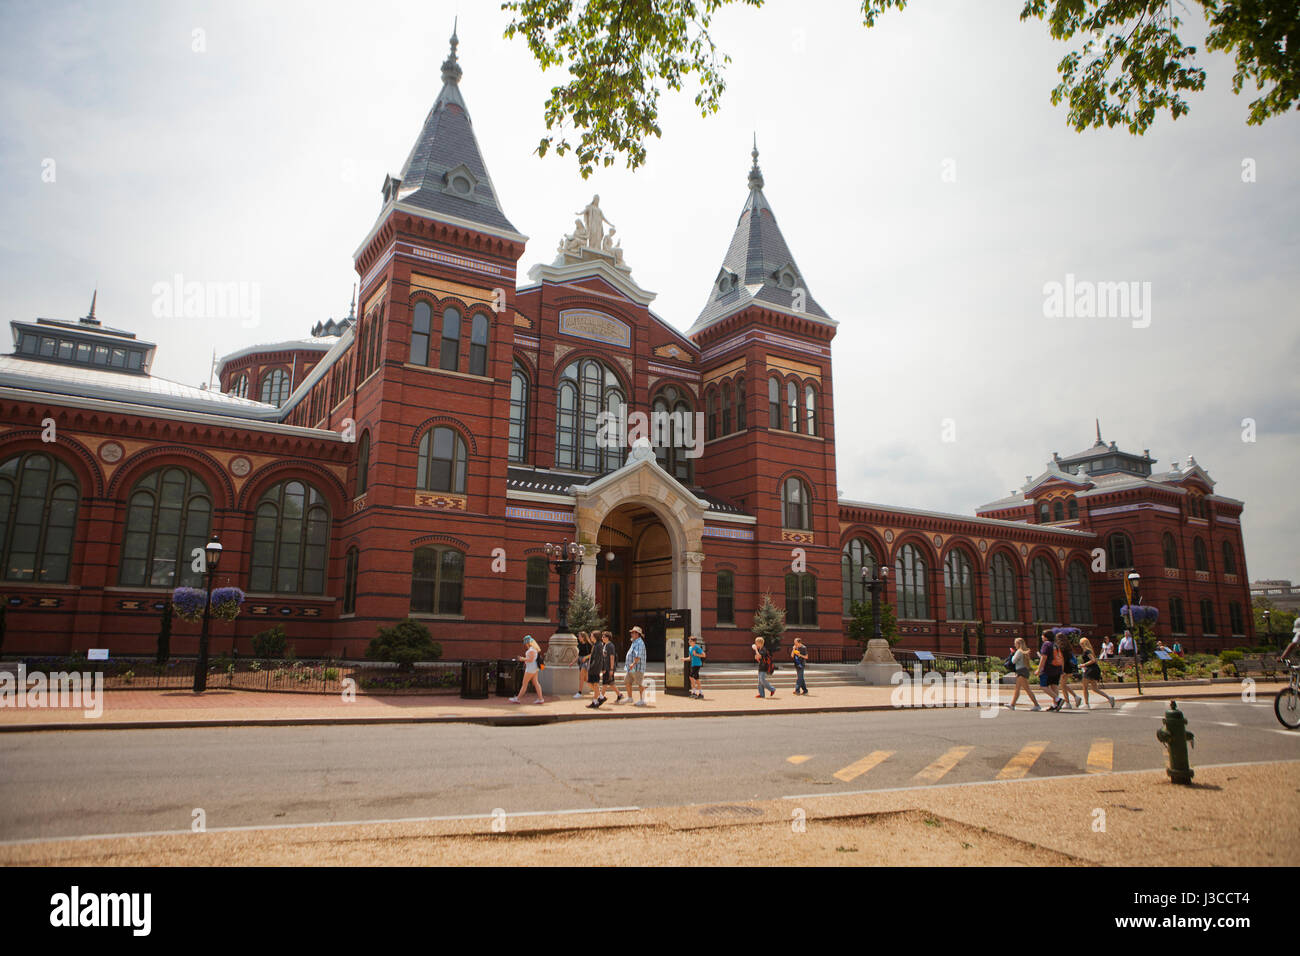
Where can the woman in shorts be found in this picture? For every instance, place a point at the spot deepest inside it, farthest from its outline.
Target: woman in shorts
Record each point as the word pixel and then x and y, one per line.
pixel 532 653
pixel 1071 667
pixel 1020 662
pixel 1091 673
pixel 584 659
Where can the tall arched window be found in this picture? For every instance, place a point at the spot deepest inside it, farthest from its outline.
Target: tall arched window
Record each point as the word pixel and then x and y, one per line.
pixel 537 586
pixel 792 400
pixel 1177 615
pixel 586 388
pixel 275 387
pixel 711 414
pixel 350 581
pixel 518 450
pixel 1229 559
pixel 421 329
pixel 1170 549
pixel 801 599
pixel 959 586
pixel 773 403
pixel 1058 510
pixel 810 409
pixel 1002 575
pixel 450 347
pixel 740 404
pixel 726 409
pixel 168 515
pixel 240 387
pixel 855 556
pixel 726 591
pixel 1073 509
pixel 1044 512
pixel 1199 556
pixel 795 501
pixel 1236 621
pixel 1119 550
pixel 1042 587
pixel 671 427
pixel 1207 617
pixel 440 462
pixel 1080 594
pixel 363 464
pixel 913 601
pixel 478 344
pixel 437 580
pixel 38 517
pixel 290 540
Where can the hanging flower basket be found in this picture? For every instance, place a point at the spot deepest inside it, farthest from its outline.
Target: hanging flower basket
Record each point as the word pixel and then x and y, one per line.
pixel 188 603
pixel 225 603
pixel 1142 613
pixel 1069 633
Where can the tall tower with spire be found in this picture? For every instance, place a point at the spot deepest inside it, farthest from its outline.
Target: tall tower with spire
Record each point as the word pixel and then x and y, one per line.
pixel 765 352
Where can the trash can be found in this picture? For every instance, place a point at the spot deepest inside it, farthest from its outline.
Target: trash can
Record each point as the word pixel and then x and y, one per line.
pixel 474 680
pixel 510 677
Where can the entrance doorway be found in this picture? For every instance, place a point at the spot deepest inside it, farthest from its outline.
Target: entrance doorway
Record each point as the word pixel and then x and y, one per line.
pixel 634 579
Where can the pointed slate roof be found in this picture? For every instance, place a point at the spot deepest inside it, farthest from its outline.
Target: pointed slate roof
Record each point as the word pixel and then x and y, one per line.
pixel 758 267
pixel 445 173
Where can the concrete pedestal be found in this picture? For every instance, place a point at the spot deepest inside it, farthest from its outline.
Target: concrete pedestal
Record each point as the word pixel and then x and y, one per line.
pixel 878 665
pixel 560 677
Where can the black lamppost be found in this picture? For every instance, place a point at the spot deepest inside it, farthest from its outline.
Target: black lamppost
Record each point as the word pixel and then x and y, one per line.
pixel 1268 628
pixel 212 552
pixel 876 585
pixel 1130 589
pixel 563 559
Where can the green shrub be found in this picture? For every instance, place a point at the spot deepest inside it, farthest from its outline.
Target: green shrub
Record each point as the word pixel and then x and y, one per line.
pixel 404 643
pixel 331 673
pixel 270 643
pixel 1230 657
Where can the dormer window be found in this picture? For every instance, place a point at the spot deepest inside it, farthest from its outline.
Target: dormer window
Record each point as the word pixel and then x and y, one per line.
pixel 460 181
pixel 726 281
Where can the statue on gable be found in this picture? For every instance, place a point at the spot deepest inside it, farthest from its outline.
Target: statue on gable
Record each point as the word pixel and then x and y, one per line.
pixel 593 217
pixel 611 247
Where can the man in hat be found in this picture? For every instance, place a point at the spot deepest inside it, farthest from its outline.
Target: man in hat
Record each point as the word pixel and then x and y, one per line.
pixel 635 664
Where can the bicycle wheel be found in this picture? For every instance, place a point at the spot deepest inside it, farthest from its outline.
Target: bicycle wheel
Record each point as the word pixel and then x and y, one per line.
pixel 1287 707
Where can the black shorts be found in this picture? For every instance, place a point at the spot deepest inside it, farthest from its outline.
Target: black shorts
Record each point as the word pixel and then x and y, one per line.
pixel 1092 672
pixel 695 671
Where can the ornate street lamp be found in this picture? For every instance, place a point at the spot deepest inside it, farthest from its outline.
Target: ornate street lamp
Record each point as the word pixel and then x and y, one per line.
pixel 876 585
pixel 1130 589
pixel 563 558
pixel 212 553
pixel 1268 628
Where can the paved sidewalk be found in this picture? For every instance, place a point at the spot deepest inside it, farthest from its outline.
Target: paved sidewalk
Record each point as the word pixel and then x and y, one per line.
pixel 177 708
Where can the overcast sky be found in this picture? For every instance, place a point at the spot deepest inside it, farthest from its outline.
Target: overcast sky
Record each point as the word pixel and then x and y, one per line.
pixel 260 160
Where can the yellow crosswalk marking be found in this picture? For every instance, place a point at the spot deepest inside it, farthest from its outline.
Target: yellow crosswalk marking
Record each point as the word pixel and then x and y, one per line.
pixel 798 758
pixel 1019 765
pixel 859 767
pixel 1101 756
pixel 936 770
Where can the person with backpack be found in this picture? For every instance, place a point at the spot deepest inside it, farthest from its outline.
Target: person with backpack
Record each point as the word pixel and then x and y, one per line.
pixel 1051 662
pixel 800 654
pixel 765 666
pixel 1018 661
pixel 1091 673
pixel 1071 666
pixel 695 659
pixel 600 673
pixel 532 667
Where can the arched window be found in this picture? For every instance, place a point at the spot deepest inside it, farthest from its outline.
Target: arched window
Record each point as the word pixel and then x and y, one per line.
pixel 1073 509
pixel 1199 556
pixel 1044 512
pixel 421 326
pixel 1229 559
pixel 518 450
pixel 38 517
pixel 711 416
pixel 740 404
pixel 795 502
pixel 773 403
pixel 450 347
pixel 1002 576
pixel 350 581
pixel 240 387
pixel 1177 616
pixel 478 345
pixel 290 540
pixel 810 409
pixel 441 461
pixel 726 591
pixel 275 387
pixel 792 399
pixel 726 409
pixel 168 515
pixel 1170 549
pixel 437 579
pixel 671 427
pixel 1080 594
pixel 1119 550
pixel 1235 619
pixel 1042 586
pixel 959 586
pixel 537 587
pixel 586 388
pixel 913 602
pixel 1207 617
pixel 855 556
pixel 363 464
pixel 801 599
pixel 1058 510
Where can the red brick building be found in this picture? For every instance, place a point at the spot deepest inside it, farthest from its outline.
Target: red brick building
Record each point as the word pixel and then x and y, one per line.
pixel 416 457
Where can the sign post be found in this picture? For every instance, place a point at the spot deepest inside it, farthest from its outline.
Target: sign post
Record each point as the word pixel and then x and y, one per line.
pixel 677 627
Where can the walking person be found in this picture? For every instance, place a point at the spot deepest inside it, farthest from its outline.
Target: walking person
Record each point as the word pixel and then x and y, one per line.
pixel 1070 666
pixel 584 660
pixel 1050 665
pixel 635 665
pixel 600 672
pixel 1091 673
pixel 1020 664
pixel 800 654
pixel 532 653
pixel 695 659
pixel 764 658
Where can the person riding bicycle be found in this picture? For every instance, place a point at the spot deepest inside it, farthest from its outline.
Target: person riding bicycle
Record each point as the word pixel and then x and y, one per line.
pixel 1294 645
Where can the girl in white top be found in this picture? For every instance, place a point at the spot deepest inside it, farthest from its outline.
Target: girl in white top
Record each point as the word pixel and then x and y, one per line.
pixel 531 654
pixel 1020 661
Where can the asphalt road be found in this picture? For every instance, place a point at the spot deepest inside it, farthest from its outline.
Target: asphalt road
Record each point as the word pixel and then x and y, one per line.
pixel 55 785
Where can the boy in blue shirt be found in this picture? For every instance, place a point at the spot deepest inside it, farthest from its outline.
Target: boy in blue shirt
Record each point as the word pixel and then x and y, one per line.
pixel 695 657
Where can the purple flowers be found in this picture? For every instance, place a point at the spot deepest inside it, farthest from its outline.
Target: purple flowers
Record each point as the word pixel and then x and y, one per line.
pixel 225 603
pixel 1142 613
pixel 1070 633
pixel 188 603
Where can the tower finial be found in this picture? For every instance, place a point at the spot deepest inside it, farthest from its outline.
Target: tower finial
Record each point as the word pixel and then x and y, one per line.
pixel 755 174
pixel 1098 421
pixel 89 318
pixel 451 71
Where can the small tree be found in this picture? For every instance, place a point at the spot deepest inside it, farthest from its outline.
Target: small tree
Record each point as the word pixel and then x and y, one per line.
pixel 769 624
pixel 270 643
pixel 584 612
pixel 164 635
pixel 980 649
pixel 861 627
pixel 405 643
pixel 965 640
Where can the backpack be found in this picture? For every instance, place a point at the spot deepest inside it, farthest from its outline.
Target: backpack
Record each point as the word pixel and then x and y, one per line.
pixel 768 663
pixel 1057 659
pixel 1010 662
